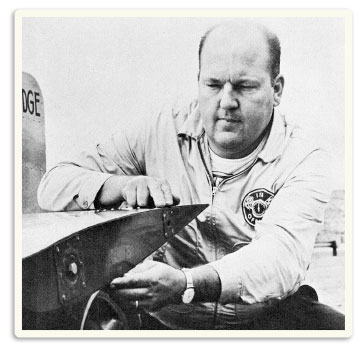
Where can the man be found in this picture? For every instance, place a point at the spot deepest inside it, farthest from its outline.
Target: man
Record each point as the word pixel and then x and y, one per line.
pixel 240 265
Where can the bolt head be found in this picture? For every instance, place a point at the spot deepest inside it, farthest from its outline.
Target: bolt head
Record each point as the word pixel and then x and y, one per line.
pixel 73 268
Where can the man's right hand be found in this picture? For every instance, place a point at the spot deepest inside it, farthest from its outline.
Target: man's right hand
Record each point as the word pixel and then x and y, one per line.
pixel 136 191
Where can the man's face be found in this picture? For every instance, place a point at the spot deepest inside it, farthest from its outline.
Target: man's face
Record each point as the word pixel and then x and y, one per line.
pixel 236 97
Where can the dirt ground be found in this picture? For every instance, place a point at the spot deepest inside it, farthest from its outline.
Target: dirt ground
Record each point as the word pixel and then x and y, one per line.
pixel 327 276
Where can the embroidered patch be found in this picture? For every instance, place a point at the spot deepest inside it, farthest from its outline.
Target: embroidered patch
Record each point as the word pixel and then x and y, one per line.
pixel 255 204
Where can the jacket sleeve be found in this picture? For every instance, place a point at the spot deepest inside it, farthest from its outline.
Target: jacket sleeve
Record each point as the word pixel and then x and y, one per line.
pixel 73 185
pixel 274 264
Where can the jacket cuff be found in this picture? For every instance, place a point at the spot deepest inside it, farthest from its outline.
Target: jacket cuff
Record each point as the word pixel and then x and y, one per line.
pixel 231 281
pixel 87 194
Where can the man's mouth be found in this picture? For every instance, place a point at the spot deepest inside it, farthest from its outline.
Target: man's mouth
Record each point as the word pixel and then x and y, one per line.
pixel 229 120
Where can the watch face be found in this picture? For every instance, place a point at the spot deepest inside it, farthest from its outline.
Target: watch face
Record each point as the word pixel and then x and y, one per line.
pixel 188 295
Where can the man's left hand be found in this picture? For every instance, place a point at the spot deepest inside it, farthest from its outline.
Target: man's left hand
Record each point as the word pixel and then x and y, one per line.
pixel 152 284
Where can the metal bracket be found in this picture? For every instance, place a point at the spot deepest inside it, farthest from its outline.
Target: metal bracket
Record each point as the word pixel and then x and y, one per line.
pixel 168 223
pixel 70 269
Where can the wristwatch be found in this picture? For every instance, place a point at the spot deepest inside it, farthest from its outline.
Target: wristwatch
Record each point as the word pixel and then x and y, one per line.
pixel 189 292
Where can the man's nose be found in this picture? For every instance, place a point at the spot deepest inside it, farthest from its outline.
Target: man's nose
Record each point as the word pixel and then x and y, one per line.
pixel 228 100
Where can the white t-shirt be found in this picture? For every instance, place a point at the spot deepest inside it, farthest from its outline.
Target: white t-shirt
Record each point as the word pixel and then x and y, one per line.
pixel 223 168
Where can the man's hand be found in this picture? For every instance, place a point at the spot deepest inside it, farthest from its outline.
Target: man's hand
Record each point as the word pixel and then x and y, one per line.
pixel 152 284
pixel 136 191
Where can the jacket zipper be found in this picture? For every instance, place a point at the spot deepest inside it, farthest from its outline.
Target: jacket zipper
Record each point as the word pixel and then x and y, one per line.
pixel 209 174
pixel 214 189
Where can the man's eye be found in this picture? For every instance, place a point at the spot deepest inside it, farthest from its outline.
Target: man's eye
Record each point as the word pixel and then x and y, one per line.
pixel 214 86
pixel 247 87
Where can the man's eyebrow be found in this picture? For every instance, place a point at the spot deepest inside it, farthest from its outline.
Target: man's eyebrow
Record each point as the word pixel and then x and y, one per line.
pixel 246 79
pixel 212 80
pixel 235 82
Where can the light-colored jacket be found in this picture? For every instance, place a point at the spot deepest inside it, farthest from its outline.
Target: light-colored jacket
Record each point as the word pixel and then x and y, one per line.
pixel 260 228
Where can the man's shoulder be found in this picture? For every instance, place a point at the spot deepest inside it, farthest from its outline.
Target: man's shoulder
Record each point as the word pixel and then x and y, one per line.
pixel 299 143
pixel 300 137
pixel 301 154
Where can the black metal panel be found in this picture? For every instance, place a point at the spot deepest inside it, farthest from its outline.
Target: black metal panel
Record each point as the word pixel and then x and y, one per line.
pixel 60 278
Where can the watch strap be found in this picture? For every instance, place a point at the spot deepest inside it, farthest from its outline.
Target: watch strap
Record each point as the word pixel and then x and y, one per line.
pixel 188 276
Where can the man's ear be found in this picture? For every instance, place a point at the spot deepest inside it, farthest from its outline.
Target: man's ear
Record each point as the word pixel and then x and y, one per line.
pixel 278 90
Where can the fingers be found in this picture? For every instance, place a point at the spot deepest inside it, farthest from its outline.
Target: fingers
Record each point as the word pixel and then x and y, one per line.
pixel 134 294
pixel 156 192
pixel 133 299
pixel 140 189
pixel 129 281
pixel 152 284
pixel 166 189
pixel 135 286
pixel 131 195
pixel 139 276
pixel 142 194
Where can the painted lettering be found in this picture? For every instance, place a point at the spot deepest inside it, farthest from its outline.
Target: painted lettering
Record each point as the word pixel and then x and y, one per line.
pixel 30 101
pixel 36 101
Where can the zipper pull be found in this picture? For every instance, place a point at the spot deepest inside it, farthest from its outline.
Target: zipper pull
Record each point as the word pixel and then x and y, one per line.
pixel 214 190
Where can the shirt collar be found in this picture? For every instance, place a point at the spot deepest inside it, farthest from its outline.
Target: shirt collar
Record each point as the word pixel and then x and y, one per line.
pixel 272 149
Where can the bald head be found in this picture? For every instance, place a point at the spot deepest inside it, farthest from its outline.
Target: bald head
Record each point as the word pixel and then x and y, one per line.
pixel 243 35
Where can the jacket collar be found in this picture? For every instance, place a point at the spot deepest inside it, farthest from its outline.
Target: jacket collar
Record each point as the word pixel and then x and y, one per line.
pixel 192 126
pixel 273 148
pixel 274 145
